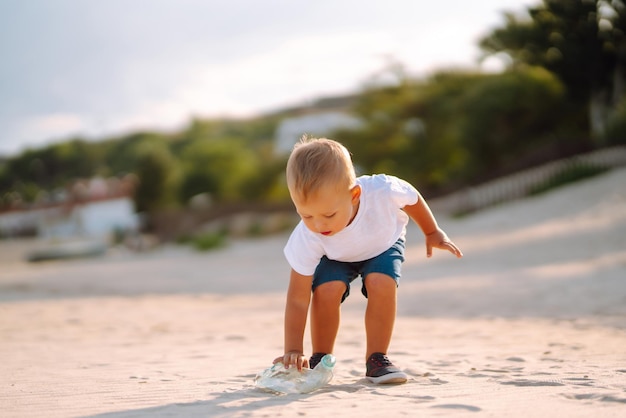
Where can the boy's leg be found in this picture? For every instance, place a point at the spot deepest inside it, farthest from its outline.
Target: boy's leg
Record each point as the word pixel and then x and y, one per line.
pixel 380 317
pixel 380 314
pixel 325 315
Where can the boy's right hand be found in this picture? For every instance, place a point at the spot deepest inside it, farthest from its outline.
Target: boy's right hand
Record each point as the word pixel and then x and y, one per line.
pixel 292 358
pixel 439 239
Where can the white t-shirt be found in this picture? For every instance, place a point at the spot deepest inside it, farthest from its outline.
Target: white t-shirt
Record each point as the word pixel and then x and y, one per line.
pixel 378 224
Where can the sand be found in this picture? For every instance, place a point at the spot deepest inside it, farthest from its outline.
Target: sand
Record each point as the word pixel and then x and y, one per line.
pixel 530 323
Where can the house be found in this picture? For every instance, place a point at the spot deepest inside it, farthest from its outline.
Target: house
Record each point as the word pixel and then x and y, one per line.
pixel 317 124
pixel 96 208
pixel 318 119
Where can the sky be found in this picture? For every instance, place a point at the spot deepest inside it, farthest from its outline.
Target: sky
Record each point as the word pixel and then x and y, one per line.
pixel 102 68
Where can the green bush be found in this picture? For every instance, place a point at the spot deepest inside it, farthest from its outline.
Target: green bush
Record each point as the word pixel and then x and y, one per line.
pixel 615 133
pixel 209 241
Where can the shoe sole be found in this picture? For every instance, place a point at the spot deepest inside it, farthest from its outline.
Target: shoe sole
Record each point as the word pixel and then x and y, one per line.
pixel 389 379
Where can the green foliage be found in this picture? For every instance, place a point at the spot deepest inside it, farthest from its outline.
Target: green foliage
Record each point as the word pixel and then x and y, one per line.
pixel 231 159
pixel 157 173
pixel 51 166
pixel 456 128
pixel 563 36
pixel 615 133
pixel 581 41
pixel 219 168
pixel 447 131
pixel 506 117
pixel 404 133
pixel 208 241
pixel 122 154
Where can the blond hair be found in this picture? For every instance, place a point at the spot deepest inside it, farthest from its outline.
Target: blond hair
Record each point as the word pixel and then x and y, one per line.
pixel 317 162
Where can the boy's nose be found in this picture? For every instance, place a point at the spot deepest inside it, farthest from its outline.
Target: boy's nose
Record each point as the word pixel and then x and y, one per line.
pixel 319 225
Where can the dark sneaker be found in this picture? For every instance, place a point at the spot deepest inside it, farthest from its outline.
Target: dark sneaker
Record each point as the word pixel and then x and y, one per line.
pixel 315 359
pixel 382 371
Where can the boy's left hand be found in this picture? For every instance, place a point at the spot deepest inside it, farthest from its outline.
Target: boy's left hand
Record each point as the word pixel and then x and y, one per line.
pixel 439 239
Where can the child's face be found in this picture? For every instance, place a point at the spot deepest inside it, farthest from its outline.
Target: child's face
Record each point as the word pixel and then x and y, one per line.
pixel 329 211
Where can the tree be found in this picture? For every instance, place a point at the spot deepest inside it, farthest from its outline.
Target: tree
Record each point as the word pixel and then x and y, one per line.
pixel 156 170
pixel 122 154
pixel 581 41
pixel 219 167
pixel 458 128
pixel 511 120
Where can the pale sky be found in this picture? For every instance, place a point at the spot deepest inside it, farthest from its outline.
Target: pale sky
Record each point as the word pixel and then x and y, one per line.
pixel 99 68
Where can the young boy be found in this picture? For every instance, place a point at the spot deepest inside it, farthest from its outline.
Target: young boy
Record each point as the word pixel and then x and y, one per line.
pixel 349 227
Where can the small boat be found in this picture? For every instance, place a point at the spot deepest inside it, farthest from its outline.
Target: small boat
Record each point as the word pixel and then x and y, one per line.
pixel 60 250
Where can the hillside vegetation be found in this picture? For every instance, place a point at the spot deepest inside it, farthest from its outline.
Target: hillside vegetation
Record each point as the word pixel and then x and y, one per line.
pixel 561 95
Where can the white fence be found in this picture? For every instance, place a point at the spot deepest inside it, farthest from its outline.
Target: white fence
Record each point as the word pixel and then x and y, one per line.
pixel 519 184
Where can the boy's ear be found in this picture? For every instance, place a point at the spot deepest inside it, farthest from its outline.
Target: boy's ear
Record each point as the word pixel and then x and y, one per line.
pixel 356 193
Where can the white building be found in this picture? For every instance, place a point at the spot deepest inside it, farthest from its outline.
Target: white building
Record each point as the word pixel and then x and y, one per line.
pixel 318 124
pixel 96 209
pixel 95 219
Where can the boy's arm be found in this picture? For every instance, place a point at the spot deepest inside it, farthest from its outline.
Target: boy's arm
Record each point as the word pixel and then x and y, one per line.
pixel 296 311
pixel 435 237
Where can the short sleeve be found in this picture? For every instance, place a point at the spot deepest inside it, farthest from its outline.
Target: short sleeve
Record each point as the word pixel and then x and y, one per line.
pixel 401 191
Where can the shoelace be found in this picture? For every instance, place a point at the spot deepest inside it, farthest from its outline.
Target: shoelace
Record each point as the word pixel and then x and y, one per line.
pixel 381 360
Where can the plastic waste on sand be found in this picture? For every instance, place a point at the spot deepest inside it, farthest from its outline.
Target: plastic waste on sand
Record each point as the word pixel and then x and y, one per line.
pixel 281 380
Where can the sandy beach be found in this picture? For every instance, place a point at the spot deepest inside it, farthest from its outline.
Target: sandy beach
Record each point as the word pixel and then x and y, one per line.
pixel 530 323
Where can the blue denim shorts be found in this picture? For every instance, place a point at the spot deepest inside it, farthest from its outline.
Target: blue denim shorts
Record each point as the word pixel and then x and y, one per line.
pixel 388 262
